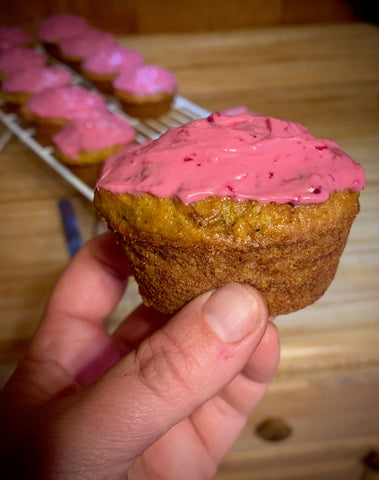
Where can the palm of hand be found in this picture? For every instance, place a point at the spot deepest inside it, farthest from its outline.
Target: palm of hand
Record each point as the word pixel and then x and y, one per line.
pixel 159 411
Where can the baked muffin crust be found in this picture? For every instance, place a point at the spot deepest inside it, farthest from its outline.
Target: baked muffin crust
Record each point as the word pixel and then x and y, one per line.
pixel 290 253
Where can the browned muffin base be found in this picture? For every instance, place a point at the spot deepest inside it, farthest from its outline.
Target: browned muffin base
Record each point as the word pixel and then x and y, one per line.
pixel 101 82
pixel 88 165
pixel 291 260
pixel 13 101
pixel 150 106
pixel 45 127
pixel 70 61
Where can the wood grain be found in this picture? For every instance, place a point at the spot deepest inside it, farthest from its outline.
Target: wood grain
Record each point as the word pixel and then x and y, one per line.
pixel 327 385
pixel 169 16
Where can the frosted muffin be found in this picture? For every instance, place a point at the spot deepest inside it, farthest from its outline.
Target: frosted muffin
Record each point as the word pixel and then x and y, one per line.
pixel 75 50
pixel 146 91
pixel 85 143
pixel 102 66
pixel 51 110
pixel 18 58
pixel 18 87
pixel 57 28
pixel 247 198
pixel 11 37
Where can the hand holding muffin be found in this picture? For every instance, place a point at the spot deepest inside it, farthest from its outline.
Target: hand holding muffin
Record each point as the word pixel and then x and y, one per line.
pixel 96 405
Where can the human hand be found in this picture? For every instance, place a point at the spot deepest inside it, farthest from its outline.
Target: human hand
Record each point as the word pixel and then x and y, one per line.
pixel 159 398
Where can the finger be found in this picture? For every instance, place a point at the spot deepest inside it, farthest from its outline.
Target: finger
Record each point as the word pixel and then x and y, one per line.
pixel 71 334
pixel 212 429
pixel 262 366
pixel 92 284
pixel 173 372
pixel 220 421
pixel 140 324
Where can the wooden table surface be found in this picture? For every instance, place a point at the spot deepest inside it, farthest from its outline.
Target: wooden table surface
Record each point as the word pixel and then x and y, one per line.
pixel 327 386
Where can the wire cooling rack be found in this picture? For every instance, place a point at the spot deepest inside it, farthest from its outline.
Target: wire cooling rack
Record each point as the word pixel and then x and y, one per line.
pixel 182 111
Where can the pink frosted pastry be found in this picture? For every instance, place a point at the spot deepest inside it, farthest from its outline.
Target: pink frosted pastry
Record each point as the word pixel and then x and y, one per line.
pixel 74 50
pixel 59 27
pixel 85 139
pixel 85 143
pixel 13 37
pixel 102 66
pixel 242 198
pixel 52 109
pixel 18 58
pixel 19 86
pixel 146 91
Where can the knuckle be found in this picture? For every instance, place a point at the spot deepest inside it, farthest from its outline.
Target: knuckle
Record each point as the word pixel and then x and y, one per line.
pixel 165 366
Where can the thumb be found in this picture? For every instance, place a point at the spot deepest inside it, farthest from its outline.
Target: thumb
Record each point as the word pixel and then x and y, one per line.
pixel 178 368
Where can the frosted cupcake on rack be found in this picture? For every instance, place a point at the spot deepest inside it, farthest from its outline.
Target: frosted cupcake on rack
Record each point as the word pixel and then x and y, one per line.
pixel 11 37
pixel 52 109
pixel 59 27
pixel 145 91
pixel 19 58
pixel 19 86
pixel 75 50
pixel 85 143
pixel 102 66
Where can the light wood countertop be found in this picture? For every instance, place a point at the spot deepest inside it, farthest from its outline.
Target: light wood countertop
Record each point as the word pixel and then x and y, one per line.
pixel 325 76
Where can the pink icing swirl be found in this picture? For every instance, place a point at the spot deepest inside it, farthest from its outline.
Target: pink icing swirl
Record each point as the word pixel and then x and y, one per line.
pixel 59 27
pixel 94 133
pixel 18 58
pixel 245 157
pixel 86 43
pixel 112 60
pixel 146 80
pixel 67 102
pixel 12 37
pixel 36 79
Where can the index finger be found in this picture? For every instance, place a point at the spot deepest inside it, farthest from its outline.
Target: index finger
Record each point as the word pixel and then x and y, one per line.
pixel 71 334
pixel 92 284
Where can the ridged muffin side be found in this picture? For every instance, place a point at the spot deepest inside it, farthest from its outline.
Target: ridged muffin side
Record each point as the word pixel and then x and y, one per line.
pixel 290 253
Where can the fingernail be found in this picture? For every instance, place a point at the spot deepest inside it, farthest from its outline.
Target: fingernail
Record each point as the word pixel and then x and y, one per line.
pixel 232 312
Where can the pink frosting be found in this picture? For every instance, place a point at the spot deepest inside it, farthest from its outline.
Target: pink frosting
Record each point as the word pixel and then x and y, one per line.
pixel 245 157
pixel 18 58
pixel 36 79
pixel 86 43
pixel 61 26
pixel 130 148
pixel 146 80
pixel 66 102
pixel 94 133
pixel 12 37
pixel 238 110
pixel 112 60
